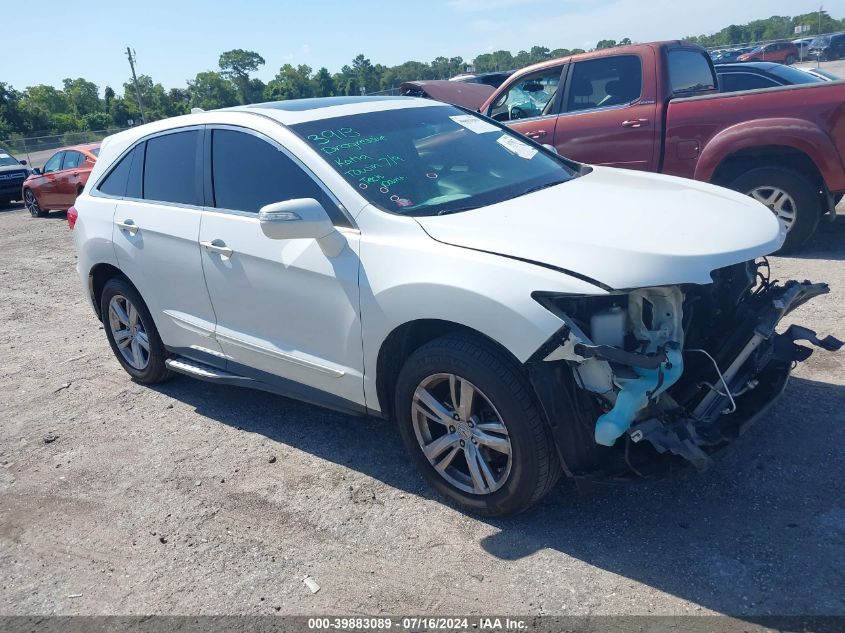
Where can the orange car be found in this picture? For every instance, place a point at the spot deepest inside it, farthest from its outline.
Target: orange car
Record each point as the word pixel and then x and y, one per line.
pixel 62 179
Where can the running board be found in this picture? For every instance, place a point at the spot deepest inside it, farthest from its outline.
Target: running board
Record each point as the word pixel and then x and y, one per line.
pixel 208 373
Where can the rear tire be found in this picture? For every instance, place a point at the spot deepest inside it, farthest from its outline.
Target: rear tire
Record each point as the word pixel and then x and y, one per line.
pixel 790 59
pixel 31 203
pixel 799 209
pixel 132 333
pixel 501 410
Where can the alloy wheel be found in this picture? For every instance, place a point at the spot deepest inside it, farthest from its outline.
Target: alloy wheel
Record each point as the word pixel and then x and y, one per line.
pixel 779 202
pixel 461 434
pixel 31 203
pixel 129 333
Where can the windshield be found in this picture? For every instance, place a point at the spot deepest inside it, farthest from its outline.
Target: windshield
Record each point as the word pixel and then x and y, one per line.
pixel 757 49
pixel 432 160
pixel 794 75
pixel 820 42
pixel 7 160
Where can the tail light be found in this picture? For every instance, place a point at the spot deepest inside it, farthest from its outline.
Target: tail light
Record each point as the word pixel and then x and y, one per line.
pixel 72 215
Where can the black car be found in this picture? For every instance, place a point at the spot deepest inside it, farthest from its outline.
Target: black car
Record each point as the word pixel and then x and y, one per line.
pixel 729 56
pixel 12 176
pixel 494 79
pixel 755 75
pixel 827 47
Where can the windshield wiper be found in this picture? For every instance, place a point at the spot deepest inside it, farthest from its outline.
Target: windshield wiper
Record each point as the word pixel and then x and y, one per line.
pixel 545 185
pixel 457 210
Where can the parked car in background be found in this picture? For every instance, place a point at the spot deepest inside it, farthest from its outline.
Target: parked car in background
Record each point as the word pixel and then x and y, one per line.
pixel 12 175
pixel 803 46
pixel 547 317
pixel 62 179
pixel 494 79
pixel 781 52
pixel 756 75
pixel 456 93
pixel 827 47
pixel 729 56
pixel 656 107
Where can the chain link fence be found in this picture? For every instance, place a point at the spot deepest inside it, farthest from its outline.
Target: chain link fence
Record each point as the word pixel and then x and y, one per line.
pixel 37 149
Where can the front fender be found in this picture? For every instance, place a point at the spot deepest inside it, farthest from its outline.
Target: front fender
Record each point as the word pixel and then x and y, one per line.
pixel 798 134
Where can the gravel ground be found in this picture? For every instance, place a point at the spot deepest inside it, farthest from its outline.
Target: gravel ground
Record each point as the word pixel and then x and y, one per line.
pixel 189 498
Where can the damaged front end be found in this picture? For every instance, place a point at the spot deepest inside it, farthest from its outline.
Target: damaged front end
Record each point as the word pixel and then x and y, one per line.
pixel 675 371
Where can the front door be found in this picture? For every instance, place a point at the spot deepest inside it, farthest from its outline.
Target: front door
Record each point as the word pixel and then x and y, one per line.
pixel 48 195
pixel 529 104
pixel 287 310
pixel 156 238
pixel 608 117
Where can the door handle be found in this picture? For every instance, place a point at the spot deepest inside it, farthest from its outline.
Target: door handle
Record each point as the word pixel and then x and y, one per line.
pixel 537 134
pixel 129 226
pixel 635 123
pixel 217 246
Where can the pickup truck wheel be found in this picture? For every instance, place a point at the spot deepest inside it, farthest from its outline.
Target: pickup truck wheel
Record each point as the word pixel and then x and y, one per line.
pixel 789 195
pixel 469 420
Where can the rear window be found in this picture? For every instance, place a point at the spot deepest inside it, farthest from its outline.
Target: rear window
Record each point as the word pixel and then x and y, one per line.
pixel 794 75
pixel 170 169
pixel 690 72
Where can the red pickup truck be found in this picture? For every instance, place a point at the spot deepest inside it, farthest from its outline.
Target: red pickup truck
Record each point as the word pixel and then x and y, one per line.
pixel 656 107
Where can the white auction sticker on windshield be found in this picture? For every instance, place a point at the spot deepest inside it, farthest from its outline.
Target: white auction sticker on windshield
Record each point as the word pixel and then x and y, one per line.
pixel 2 155
pixel 515 146
pixel 474 124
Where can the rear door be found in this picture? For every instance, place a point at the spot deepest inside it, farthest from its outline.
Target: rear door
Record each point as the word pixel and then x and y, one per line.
pixel 609 113
pixel 156 239
pixel 530 104
pixel 68 179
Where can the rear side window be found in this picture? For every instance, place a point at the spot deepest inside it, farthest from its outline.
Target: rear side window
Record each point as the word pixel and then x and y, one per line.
pixel 605 82
pixel 735 82
pixel 170 173
pixel 125 178
pixel 248 173
pixel 690 72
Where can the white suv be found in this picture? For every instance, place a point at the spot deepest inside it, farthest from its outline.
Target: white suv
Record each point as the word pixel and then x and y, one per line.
pixel 518 314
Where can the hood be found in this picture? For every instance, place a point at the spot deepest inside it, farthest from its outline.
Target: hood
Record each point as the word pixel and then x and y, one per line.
pixel 621 229
pixel 465 94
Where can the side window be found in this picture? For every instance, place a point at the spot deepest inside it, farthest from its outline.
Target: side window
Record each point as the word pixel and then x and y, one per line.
pixel 605 82
pixel 170 168
pixel 529 96
pixel 54 164
pixel 735 82
pixel 72 159
pixel 125 177
pixel 690 72
pixel 248 173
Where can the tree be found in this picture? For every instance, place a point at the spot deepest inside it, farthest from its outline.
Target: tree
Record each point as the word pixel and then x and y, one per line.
pixel 605 44
pixel 290 83
pixel 236 66
pixel 210 90
pixel 323 83
pixel 83 96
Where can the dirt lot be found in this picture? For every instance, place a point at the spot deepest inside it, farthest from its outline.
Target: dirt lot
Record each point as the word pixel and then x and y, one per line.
pixel 122 499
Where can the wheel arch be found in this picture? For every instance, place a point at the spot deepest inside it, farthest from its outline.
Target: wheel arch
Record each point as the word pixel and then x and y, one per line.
pixel 98 276
pixel 406 338
pixel 781 156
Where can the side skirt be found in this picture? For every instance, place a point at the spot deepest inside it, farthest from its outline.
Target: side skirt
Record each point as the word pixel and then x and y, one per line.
pixel 185 361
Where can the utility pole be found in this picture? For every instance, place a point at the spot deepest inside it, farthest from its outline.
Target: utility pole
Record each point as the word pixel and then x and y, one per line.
pixel 131 55
pixel 819 58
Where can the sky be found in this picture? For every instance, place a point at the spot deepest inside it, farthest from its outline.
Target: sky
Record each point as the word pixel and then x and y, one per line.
pixel 176 39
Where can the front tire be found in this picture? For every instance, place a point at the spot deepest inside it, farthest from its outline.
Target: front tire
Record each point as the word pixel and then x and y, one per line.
pixel 471 424
pixel 790 59
pixel 132 333
pixel 789 195
pixel 31 202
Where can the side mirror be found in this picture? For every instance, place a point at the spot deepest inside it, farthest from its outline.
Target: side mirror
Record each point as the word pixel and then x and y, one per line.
pixel 295 219
pixel 23 162
pixel 36 171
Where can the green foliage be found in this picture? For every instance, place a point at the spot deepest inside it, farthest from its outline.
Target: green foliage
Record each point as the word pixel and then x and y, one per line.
pixel 774 28
pixel 77 106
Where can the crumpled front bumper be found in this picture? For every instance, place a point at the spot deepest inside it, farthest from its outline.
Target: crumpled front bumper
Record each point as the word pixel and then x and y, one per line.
pixel 745 375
